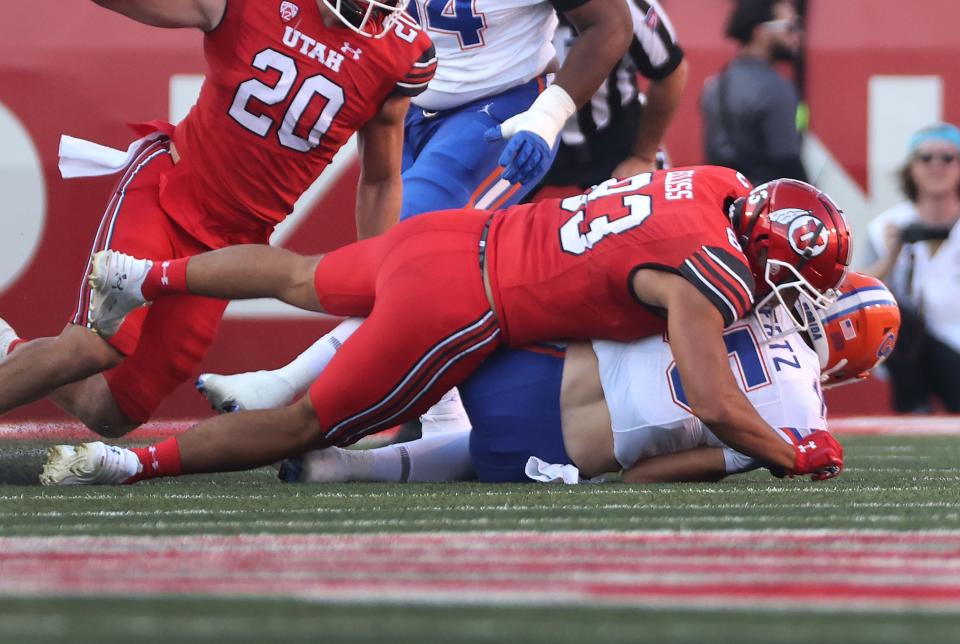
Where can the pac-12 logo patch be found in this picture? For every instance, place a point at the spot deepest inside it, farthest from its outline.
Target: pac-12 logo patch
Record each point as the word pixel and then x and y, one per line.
pixel 288 11
pixel 808 236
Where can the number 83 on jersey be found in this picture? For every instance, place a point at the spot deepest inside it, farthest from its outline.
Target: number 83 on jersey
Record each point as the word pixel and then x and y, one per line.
pixel 577 236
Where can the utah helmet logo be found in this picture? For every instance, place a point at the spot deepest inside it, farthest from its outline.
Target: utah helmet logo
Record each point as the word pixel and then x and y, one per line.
pixel 782 216
pixel 288 11
pixel 808 236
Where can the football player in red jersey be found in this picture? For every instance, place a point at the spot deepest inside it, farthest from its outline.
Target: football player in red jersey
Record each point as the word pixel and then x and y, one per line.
pixel 288 82
pixel 545 412
pixel 656 252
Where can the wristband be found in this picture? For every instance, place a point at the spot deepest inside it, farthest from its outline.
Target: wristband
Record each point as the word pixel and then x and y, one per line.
pixel 545 117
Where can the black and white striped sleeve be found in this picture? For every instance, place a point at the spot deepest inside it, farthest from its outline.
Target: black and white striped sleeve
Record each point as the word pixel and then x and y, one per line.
pixel 654 49
pixel 415 81
pixel 723 278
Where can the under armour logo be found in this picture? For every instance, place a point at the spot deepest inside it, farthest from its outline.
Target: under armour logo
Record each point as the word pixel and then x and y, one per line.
pixel 803 447
pixel 118 283
pixel 155 463
pixel 164 279
pixel 355 52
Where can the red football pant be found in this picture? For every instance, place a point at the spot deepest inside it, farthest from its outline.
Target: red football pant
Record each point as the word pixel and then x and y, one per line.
pixel 164 342
pixel 428 326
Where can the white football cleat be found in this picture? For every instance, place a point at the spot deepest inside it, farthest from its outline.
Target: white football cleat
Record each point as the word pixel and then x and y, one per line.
pixel 245 391
pixel 448 415
pixel 116 279
pixel 89 464
pixel 7 335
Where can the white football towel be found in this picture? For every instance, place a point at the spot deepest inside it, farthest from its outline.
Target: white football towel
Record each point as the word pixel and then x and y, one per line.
pixel 80 158
pixel 555 473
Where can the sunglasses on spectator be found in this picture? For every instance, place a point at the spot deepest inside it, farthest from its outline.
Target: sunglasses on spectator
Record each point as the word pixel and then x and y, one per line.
pixel 929 157
pixel 791 25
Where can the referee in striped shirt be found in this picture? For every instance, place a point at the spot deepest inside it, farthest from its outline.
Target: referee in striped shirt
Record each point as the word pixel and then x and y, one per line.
pixel 618 132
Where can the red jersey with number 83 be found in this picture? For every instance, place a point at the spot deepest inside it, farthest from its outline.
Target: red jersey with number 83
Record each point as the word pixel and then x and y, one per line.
pixel 589 246
pixel 283 92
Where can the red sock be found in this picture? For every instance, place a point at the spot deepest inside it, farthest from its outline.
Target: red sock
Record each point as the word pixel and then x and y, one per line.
pixel 162 459
pixel 166 277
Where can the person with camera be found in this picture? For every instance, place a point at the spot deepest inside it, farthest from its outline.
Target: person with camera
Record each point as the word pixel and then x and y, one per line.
pixel 917 244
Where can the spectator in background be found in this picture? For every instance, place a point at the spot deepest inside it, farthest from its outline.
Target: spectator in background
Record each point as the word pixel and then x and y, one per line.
pixel 917 243
pixel 618 132
pixel 750 110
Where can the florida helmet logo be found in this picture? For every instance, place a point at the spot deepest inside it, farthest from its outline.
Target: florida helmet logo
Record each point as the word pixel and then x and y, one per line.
pixel 808 236
pixel 886 346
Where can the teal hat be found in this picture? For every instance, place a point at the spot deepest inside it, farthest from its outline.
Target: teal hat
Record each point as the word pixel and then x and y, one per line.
pixel 946 132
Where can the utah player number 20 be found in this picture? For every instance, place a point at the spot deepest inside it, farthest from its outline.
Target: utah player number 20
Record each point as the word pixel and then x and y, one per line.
pixel 260 124
pixel 574 240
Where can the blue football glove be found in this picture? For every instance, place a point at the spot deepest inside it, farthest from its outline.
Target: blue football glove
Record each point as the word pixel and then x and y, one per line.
pixel 525 157
pixel 532 134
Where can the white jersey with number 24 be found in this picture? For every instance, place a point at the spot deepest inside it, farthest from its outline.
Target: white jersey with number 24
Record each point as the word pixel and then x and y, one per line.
pixel 484 47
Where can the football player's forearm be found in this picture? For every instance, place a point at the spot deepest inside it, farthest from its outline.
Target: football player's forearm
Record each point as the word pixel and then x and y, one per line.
pixel 697 464
pixel 715 398
pixel 734 421
pixel 201 14
pixel 378 205
pixel 380 190
pixel 696 338
pixel 606 31
pixel 663 98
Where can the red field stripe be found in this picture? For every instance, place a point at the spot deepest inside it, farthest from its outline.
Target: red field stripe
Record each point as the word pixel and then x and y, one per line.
pixel 829 569
pixel 724 540
pixel 509 590
pixel 896 425
pixel 746 568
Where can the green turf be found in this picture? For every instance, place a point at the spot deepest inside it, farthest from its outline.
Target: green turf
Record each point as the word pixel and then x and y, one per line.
pixel 892 483
pixel 188 620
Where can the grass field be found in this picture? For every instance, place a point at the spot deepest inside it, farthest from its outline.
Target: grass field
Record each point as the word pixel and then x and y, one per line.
pixel 873 556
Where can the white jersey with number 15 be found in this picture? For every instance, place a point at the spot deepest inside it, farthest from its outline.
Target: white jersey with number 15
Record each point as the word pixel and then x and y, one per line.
pixel 648 407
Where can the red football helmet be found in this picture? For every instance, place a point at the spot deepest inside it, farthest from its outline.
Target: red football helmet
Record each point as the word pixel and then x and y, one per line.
pixel 856 332
pixel 795 238
pixel 370 18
